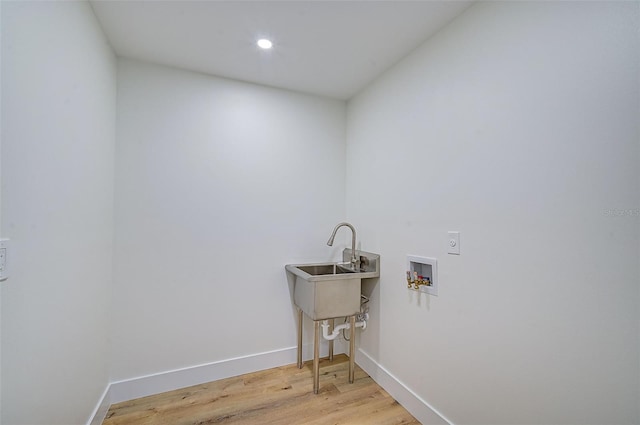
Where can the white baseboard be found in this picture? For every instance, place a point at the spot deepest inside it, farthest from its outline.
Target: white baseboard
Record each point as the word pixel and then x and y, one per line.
pixel 419 408
pixel 180 378
pixel 143 386
pixel 100 411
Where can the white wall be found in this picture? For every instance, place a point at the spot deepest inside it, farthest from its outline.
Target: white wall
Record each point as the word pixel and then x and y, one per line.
pixel 219 184
pixel 0 219
pixel 516 125
pixel 58 130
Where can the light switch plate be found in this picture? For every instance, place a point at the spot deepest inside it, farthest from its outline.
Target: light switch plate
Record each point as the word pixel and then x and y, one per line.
pixel 453 243
pixel 4 254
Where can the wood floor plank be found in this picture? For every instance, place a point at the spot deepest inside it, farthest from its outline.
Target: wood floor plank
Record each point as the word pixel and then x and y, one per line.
pixel 278 396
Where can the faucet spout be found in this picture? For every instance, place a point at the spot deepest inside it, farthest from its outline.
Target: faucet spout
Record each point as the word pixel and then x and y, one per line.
pixel 354 258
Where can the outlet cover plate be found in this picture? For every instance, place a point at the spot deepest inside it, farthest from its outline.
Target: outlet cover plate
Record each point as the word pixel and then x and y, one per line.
pixel 453 243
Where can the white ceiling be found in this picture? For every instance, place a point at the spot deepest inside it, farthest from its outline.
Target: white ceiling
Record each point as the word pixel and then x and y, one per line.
pixel 327 48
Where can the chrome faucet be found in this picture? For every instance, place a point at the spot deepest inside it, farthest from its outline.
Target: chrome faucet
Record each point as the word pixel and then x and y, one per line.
pixel 354 259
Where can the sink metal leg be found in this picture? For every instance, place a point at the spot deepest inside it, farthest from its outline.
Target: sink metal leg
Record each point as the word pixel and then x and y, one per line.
pixel 316 356
pixel 299 338
pixel 331 325
pixel 352 348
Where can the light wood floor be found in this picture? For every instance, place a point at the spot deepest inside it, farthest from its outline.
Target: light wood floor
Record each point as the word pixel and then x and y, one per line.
pixel 283 395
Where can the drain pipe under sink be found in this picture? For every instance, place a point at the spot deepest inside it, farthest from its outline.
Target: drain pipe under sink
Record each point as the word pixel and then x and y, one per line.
pixel 336 331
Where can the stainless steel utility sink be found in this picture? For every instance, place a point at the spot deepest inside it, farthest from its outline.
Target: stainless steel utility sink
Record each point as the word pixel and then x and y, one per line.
pixel 329 290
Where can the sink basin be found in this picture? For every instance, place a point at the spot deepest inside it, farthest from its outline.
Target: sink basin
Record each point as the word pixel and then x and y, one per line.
pixel 326 269
pixel 328 290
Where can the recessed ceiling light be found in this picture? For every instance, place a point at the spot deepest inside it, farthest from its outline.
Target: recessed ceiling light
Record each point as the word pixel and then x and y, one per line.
pixel 264 43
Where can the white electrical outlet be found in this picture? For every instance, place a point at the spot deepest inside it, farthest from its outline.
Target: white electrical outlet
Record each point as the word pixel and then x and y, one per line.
pixel 454 243
pixel 4 254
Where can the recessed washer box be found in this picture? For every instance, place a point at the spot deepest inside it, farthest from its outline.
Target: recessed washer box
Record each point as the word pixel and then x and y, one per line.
pixel 426 267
